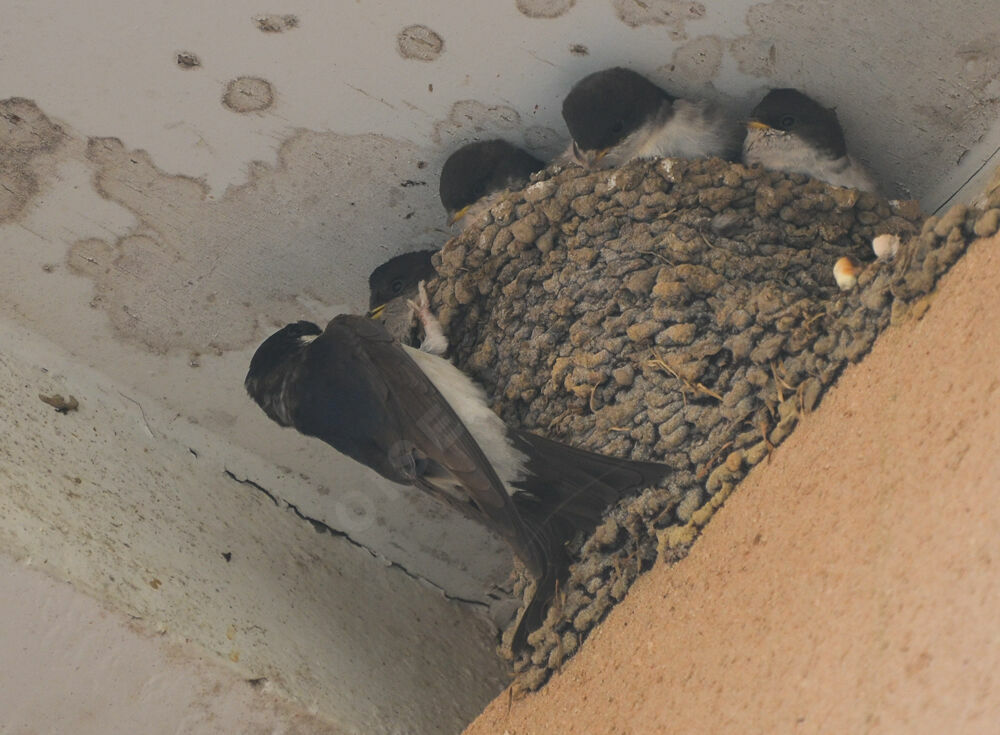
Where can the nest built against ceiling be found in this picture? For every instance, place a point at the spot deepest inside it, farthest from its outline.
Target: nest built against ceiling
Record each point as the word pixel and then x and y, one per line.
pixel 679 311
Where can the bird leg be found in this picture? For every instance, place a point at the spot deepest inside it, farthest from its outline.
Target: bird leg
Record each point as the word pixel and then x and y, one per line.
pixel 434 340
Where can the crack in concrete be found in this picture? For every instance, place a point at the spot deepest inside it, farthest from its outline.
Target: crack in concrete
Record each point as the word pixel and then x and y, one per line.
pixel 321 527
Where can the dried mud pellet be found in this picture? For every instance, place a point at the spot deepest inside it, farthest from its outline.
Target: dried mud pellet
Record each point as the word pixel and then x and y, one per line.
pixel 954 217
pixel 987 223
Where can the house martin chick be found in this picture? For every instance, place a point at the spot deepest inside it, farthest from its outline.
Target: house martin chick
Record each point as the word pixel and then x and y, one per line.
pixel 393 286
pixel 790 131
pixel 475 174
pixel 617 115
pixel 416 419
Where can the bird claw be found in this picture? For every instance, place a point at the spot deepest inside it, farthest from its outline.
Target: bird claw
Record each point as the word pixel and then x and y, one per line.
pixel 422 307
pixel 434 340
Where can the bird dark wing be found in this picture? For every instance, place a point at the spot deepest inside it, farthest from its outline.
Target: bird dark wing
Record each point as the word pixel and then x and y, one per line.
pixel 576 485
pixel 361 393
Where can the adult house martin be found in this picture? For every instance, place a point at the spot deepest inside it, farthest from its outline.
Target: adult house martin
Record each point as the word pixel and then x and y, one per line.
pixel 417 420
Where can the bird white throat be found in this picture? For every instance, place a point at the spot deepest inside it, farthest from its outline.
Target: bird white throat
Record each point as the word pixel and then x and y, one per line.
pixel 781 151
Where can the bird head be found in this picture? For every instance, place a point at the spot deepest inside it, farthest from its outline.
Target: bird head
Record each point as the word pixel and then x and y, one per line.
pixel 269 362
pixel 479 169
pixel 397 278
pixel 606 107
pixel 790 112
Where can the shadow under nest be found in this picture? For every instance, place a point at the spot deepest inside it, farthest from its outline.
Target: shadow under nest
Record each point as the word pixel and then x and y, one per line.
pixel 678 311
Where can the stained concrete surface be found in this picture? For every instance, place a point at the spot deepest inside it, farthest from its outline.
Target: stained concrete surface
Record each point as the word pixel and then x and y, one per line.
pixel 172 322
pixel 159 234
pixel 111 677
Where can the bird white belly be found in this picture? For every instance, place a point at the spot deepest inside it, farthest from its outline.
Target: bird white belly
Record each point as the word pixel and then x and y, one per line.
pixel 468 400
pixel 694 130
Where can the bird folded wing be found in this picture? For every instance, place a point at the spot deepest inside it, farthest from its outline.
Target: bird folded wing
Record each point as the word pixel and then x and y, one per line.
pixel 423 424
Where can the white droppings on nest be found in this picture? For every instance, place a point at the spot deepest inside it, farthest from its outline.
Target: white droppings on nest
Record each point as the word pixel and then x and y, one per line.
pixel 668 165
pixel 845 272
pixel 538 189
pixel 886 246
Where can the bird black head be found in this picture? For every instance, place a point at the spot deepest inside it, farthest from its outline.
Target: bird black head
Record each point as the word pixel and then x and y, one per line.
pixel 263 380
pixel 482 168
pixel 793 112
pixel 605 107
pixel 399 276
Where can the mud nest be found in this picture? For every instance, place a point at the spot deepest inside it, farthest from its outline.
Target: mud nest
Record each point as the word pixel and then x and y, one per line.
pixel 677 311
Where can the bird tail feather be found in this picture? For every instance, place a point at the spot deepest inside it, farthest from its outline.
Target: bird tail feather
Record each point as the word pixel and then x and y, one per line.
pixel 577 485
pixel 567 490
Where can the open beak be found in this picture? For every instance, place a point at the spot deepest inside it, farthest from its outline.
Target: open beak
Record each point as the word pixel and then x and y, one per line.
pixel 758 125
pixel 457 215
pixel 376 313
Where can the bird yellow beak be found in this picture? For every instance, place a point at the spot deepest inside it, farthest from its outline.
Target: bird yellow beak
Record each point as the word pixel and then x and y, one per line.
pixel 376 313
pixel 758 125
pixel 456 216
pixel 588 159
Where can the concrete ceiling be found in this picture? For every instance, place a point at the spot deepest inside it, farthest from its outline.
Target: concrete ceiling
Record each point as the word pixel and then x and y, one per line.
pixel 179 179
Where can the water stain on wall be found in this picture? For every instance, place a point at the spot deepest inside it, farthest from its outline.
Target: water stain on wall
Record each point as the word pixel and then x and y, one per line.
pixel 25 135
pixel 188 60
pixel 248 94
pixel 980 63
pixel 673 14
pixel 756 57
pixel 544 8
pixel 473 120
pixel 696 63
pixel 544 141
pixel 204 275
pixel 420 43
